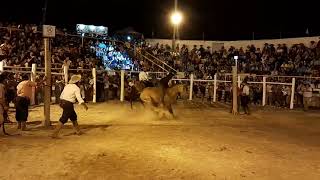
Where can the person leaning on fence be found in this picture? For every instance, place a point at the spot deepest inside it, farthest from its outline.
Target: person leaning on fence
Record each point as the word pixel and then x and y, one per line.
pixel 69 96
pixel 24 94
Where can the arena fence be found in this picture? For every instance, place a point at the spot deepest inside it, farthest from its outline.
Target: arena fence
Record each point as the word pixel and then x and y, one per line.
pixel 263 83
pixel 33 71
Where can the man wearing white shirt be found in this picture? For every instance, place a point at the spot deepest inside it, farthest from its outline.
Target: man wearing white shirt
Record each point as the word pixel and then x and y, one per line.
pixel 69 96
pixel 245 97
pixel 143 76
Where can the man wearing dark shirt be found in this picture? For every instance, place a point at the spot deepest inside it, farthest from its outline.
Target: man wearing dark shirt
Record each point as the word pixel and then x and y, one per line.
pixel 164 85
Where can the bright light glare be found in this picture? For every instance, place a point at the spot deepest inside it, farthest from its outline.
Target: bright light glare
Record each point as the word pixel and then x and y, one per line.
pixel 92 28
pixel 129 38
pixel 176 18
pixel 101 28
pixel 82 26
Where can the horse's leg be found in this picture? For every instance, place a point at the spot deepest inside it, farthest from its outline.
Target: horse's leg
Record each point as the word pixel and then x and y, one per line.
pixel 142 102
pixel 4 129
pixel 170 109
pixel 168 112
pixel 131 95
pixel 154 103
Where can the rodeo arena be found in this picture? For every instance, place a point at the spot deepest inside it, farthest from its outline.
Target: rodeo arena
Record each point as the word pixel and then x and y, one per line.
pixel 80 104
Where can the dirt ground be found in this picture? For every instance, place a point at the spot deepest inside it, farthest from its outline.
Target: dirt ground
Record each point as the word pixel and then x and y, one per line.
pixel 203 142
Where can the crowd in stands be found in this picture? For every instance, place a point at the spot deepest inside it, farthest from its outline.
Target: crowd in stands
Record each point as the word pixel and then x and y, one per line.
pixel 22 45
pixel 273 60
pixel 298 60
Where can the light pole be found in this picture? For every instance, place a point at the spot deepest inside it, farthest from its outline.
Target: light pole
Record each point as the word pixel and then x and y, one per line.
pixel 44 12
pixel 176 19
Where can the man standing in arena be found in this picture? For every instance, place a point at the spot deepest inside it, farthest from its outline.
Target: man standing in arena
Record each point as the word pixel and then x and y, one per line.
pixel 245 97
pixel 24 94
pixel 3 104
pixel 69 96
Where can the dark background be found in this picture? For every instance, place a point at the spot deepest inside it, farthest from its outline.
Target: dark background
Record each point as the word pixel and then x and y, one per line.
pixel 216 19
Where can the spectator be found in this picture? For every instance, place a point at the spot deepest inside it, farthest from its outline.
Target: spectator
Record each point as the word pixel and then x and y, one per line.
pixel 307 95
pixel 245 97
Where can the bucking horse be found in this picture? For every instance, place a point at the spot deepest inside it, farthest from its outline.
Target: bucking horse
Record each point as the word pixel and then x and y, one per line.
pixel 150 97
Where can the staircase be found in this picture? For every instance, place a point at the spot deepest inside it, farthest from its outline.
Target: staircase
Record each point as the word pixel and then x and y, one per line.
pixel 156 61
pixel 153 62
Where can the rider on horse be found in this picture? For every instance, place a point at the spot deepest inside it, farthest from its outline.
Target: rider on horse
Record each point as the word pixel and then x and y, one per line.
pixel 164 85
pixel 144 78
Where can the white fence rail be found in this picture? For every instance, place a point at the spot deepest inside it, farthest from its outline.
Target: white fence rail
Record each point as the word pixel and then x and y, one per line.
pixel 65 73
pixel 264 87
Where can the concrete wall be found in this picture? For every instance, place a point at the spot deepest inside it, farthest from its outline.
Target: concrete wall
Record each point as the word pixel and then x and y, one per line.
pixel 243 43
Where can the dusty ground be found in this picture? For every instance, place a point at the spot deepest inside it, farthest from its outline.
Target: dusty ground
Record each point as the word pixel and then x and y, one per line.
pixel 201 143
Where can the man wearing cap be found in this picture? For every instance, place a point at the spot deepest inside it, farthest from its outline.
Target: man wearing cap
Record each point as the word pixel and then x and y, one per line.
pixel 69 96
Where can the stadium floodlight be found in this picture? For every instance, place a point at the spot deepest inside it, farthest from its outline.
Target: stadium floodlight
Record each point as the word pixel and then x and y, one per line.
pixel 176 18
pixel 82 27
pixel 92 27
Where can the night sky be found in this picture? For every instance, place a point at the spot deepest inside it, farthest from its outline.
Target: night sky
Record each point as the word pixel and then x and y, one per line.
pixel 216 19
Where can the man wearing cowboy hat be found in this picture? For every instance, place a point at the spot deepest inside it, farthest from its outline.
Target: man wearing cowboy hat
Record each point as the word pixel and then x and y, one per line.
pixel 69 96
